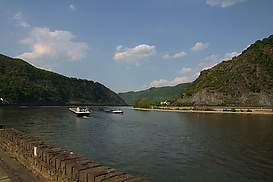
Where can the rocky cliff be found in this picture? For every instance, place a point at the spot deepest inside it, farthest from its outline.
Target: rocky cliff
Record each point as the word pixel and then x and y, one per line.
pixel 245 80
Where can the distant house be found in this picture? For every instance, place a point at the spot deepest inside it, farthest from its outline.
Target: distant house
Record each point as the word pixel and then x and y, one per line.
pixel 164 102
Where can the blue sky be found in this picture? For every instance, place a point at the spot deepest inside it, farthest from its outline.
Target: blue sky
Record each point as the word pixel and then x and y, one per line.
pixel 131 44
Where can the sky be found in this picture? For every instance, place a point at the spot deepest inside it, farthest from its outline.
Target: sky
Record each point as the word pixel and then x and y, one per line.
pixel 131 45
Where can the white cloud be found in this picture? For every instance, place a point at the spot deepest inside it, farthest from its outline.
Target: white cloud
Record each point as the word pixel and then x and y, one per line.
pixel 224 3
pixel 213 58
pixel 210 61
pixel 177 55
pixel 184 70
pixel 158 82
pixel 166 56
pixel 199 46
pixel 72 7
pixel 230 55
pixel 208 67
pixel 133 54
pixel 163 82
pixel 180 54
pixel 18 17
pixel 49 48
pixel 119 48
pixel 194 76
pixel 179 80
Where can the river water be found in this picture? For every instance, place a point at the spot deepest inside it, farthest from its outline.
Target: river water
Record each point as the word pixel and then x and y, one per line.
pixel 158 146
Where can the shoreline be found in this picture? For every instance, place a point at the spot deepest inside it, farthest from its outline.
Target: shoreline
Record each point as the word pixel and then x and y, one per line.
pixel 215 110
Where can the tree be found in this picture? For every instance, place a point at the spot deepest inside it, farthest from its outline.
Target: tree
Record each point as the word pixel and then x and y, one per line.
pixel 136 103
pixel 142 103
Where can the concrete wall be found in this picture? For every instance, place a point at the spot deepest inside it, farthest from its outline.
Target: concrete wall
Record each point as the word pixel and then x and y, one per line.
pixel 51 163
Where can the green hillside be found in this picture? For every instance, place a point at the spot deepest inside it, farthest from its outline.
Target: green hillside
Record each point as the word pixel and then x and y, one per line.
pixel 245 80
pixel 22 83
pixel 154 94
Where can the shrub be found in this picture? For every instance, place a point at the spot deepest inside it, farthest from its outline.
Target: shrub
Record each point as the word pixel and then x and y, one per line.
pixel 209 109
pixel 233 110
pixel 142 103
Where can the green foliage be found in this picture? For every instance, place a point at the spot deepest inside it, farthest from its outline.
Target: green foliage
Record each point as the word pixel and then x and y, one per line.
pixel 233 110
pixel 202 109
pixel 208 109
pixel 184 104
pixel 22 83
pixel 155 95
pixel 136 103
pixel 142 103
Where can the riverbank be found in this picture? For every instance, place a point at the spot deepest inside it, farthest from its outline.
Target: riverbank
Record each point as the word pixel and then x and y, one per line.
pixel 209 109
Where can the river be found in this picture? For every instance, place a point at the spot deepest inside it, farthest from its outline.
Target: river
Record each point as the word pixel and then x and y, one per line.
pixel 158 146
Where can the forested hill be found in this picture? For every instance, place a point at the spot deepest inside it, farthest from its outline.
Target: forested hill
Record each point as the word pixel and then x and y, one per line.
pixel 245 80
pixel 22 83
pixel 155 94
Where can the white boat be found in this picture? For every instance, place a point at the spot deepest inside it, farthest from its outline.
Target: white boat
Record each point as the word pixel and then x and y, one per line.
pixel 116 111
pixel 80 111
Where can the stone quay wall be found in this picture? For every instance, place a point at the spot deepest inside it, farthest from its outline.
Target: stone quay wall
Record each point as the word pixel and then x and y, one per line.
pixel 51 163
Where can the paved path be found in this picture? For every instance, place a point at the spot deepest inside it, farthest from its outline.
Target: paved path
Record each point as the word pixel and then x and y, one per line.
pixel 12 171
pixel 3 176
